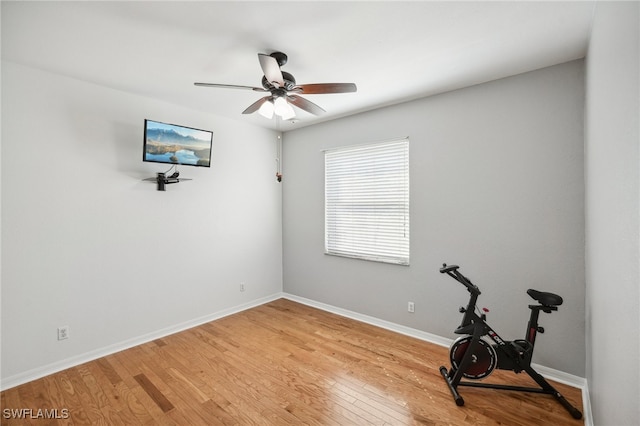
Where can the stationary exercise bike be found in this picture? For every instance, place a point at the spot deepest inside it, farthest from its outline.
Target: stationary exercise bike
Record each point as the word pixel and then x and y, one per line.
pixel 474 358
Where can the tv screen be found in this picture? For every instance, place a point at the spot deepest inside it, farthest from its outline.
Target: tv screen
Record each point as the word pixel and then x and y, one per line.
pixel 173 144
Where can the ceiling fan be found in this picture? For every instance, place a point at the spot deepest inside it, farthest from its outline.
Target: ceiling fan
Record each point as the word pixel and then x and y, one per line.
pixel 283 90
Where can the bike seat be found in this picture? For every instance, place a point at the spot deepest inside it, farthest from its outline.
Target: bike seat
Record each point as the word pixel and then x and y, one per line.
pixel 546 299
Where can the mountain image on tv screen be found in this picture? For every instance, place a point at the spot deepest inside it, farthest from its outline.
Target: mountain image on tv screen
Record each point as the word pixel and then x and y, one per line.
pixel 173 144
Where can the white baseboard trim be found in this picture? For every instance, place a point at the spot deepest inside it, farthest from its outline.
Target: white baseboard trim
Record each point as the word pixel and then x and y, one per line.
pixel 587 415
pixel 407 331
pixel 549 373
pixel 37 373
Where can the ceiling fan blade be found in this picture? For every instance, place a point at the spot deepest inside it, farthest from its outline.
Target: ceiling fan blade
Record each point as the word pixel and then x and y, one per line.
pixel 271 69
pixel 321 88
pixel 306 105
pixel 256 105
pixel 231 86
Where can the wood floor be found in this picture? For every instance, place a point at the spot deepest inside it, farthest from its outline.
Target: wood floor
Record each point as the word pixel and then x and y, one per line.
pixel 281 363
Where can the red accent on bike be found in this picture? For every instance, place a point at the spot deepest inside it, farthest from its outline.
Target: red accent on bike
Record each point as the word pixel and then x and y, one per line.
pixel 485 310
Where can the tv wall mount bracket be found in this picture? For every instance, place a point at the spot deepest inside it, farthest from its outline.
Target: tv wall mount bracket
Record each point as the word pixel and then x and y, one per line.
pixel 162 179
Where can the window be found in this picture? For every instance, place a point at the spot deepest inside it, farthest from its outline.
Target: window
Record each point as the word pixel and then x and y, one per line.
pixel 367 201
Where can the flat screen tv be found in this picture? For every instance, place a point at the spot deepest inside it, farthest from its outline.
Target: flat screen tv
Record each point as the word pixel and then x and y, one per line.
pixel 173 144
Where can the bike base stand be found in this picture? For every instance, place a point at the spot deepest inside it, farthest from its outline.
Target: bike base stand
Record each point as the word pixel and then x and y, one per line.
pixel 450 377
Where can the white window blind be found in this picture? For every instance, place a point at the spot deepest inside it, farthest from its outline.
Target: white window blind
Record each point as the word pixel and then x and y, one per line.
pixel 367 201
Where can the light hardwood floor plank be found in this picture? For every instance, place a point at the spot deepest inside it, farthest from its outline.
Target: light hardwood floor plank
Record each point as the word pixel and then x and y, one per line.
pixel 281 363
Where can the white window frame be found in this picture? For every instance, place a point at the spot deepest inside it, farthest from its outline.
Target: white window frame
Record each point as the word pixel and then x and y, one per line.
pixel 367 201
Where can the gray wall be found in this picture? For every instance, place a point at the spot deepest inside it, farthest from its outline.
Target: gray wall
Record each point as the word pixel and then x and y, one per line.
pixel 612 212
pixel 496 187
pixel 86 243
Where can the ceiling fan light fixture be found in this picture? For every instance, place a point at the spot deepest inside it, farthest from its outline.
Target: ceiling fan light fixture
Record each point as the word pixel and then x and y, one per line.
pixel 266 109
pixel 289 114
pixel 283 109
pixel 284 91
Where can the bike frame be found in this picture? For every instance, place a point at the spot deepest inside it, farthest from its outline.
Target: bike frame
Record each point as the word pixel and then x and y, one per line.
pixel 473 324
pixel 509 355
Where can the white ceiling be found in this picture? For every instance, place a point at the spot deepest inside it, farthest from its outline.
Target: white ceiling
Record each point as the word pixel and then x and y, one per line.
pixel 393 51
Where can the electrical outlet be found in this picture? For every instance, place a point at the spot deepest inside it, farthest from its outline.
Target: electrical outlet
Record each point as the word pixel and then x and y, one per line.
pixel 411 307
pixel 63 332
pixel 242 286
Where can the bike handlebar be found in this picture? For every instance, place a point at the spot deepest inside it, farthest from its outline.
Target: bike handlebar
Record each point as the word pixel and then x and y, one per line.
pixel 446 269
pixel 452 271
